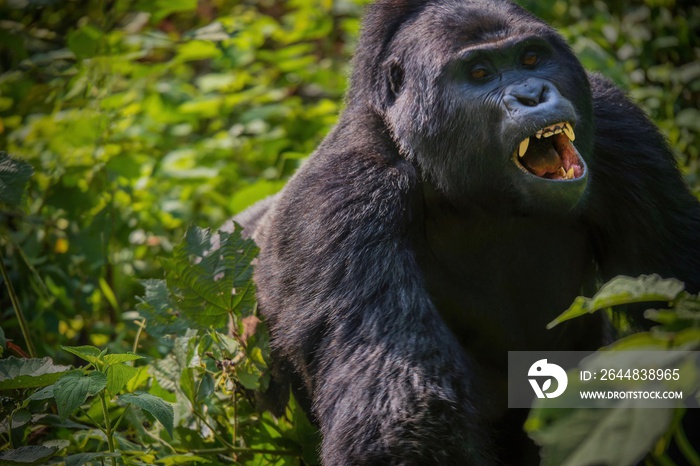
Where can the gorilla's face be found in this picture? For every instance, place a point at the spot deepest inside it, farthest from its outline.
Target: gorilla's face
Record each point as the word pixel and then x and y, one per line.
pixel 492 107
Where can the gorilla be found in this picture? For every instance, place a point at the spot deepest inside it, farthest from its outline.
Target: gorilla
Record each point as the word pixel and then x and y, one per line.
pixel 476 182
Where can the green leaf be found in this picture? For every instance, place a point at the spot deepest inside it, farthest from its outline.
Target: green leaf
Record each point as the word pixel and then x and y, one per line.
pixel 26 455
pixel 181 459
pixel 210 276
pixel 187 383
pixel 29 373
pixel 157 308
pixel 249 375
pixel 304 432
pixel 162 8
pixel 623 290
pixel 85 458
pixel 119 375
pixel 249 195
pixel 14 175
pixel 110 359
pixel 71 390
pixel 85 42
pixel 90 354
pixel 597 436
pixel 41 394
pixel 205 388
pixel 197 50
pixel 139 379
pixel 160 410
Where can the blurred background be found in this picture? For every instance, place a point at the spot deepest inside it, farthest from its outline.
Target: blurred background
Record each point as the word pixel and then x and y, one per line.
pixel 141 118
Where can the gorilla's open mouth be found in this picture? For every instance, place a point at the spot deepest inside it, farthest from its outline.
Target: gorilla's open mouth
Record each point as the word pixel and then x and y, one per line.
pixel 550 154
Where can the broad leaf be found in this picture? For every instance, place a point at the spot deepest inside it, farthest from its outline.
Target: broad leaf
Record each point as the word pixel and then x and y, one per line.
pixel 160 409
pixel 120 357
pixel 157 307
pixel 14 175
pixel 181 459
pixel 159 9
pixel 90 354
pixel 211 276
pixel 597 436
pixel 71 390
pixel 119 375
pixel 623 290
pixel 26 456
pixel 28 373
pixel 85 458
pixel 41 394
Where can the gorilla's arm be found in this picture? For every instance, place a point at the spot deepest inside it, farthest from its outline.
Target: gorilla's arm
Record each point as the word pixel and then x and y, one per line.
pixel 644 218
pixel 390 383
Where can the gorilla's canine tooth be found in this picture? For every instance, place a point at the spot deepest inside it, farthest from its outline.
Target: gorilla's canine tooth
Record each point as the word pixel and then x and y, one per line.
pixel 570 174
pixel 523 147
pixel 561 172
pixel 569 132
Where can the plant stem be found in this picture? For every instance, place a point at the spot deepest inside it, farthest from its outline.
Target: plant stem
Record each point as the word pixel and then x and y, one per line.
pixel 142 325
pixel 216 434
pixel 116 424
pixel 685 447
pixel 108 427
pixel 18 310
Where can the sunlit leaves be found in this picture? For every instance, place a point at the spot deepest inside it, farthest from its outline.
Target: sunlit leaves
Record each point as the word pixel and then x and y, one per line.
pixel 210 277
pixel 72 390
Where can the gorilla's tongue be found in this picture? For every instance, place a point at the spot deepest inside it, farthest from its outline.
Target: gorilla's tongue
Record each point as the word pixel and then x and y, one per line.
pixel 552 157
pixel 544 161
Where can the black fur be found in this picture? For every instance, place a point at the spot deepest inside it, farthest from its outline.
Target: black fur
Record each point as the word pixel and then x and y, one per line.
pixel 408 254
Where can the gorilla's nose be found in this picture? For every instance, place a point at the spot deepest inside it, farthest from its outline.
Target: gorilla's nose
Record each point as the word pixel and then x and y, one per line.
pixel 530 95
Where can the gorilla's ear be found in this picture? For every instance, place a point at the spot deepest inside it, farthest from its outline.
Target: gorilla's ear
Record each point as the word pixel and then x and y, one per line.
pixel 394 76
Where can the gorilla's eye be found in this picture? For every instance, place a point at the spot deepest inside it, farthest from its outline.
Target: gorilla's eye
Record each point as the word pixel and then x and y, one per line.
pixel 530 58
pixel 479 72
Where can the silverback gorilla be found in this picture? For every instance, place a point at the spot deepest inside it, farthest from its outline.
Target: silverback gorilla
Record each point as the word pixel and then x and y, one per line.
pixel 477 180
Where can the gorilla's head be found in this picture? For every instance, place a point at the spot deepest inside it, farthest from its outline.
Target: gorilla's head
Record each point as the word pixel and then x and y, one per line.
pixel 488 101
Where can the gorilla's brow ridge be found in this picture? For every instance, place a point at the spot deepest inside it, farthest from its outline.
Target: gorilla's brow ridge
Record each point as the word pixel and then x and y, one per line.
pixel 499 44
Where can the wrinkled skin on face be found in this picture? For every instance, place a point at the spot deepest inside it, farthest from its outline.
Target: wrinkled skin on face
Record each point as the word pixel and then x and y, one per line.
pixel 514 108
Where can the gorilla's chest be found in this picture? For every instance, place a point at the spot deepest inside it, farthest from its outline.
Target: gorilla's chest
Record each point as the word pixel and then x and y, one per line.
pixel 497 282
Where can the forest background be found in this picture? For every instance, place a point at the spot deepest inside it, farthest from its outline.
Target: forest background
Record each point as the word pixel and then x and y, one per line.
pixel 140 119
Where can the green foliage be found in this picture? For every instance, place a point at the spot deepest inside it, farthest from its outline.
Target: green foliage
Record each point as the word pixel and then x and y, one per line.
pixel 140 118
pixel 623 435
pixel 28 373
pixel 623 290
pixel 14 175
pixel 198 391
pixel 210 277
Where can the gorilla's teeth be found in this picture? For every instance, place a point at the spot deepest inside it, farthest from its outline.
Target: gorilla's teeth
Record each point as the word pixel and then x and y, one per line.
pixel 556 128
pixel 570 174
pixel 569 132
pixel 562 172
pixel 523 147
